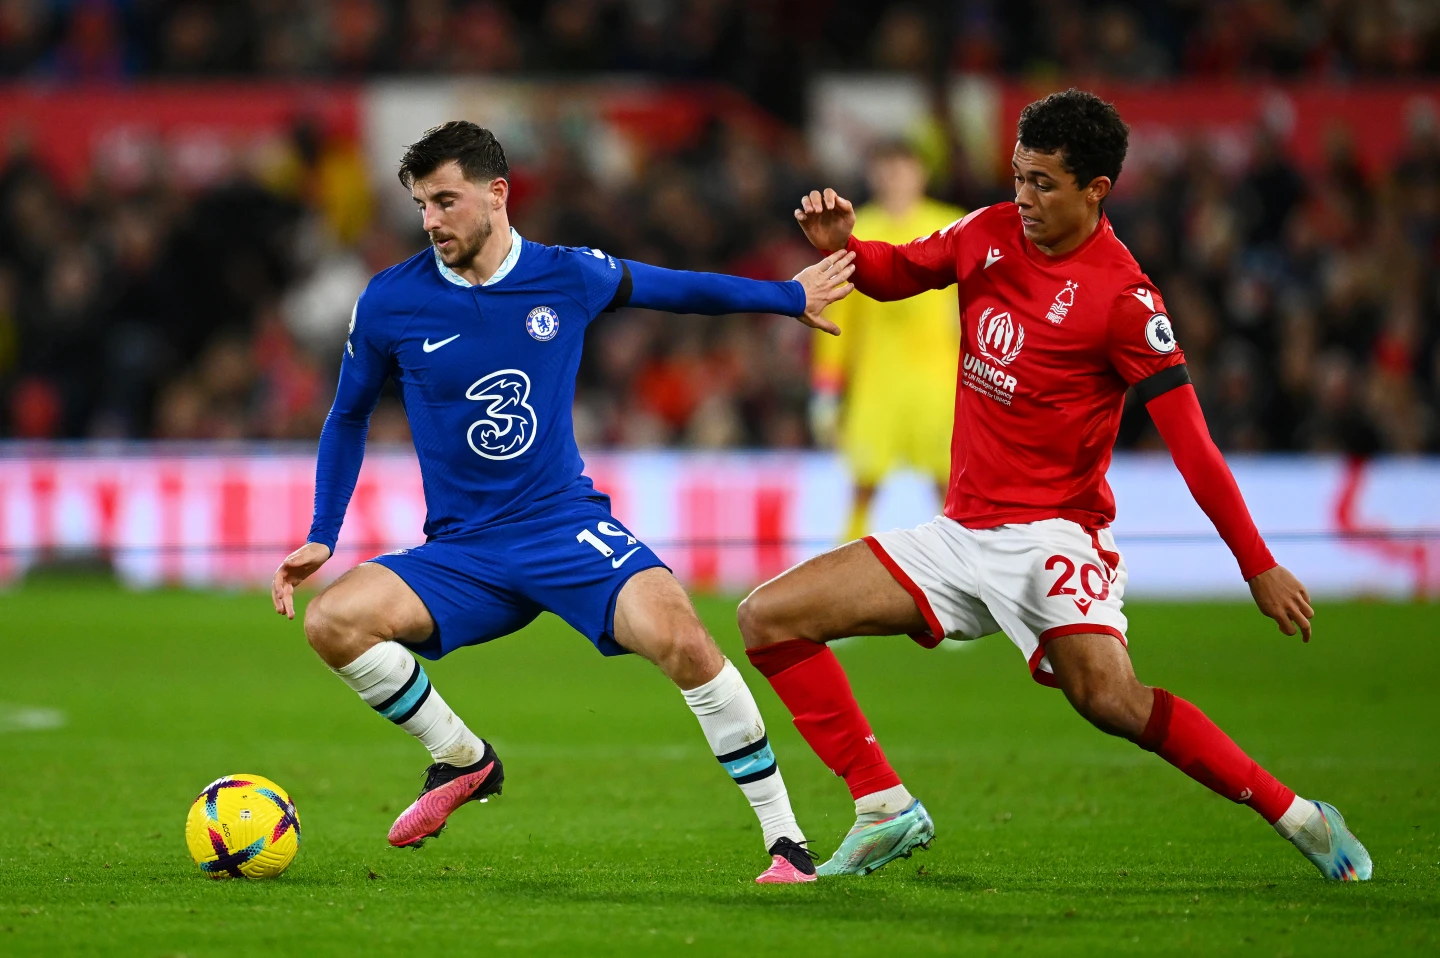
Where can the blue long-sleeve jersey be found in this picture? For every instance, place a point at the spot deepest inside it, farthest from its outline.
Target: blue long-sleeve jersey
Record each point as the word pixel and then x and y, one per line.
pixel 487 374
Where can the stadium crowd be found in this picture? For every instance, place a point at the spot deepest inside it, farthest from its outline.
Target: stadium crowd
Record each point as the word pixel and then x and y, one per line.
pixel 106 38
pixel 1308 305
pixel 763 47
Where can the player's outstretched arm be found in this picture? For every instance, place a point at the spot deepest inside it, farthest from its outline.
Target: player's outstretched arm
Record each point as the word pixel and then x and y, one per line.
pixel 1277 592
pixel 363 370
pixel 716 294
pixel 883 271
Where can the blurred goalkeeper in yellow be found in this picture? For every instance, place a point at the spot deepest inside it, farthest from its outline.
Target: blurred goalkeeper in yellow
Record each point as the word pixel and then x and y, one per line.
pixel 884 392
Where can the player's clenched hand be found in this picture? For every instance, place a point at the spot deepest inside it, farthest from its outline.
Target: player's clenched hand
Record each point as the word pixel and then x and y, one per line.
pixel 825 283
pixel 1283 598
pixel 827 219
pixel 297 567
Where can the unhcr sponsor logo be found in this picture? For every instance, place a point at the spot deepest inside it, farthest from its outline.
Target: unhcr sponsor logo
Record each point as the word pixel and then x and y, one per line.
pixel 987 380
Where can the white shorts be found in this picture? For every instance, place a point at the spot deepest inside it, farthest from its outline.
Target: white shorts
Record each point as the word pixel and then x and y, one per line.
pixel 1034 581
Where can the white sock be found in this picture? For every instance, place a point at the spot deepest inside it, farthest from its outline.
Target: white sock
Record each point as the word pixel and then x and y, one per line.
pixel 1296 823
pixel 392 682
pixel 732 725
pixel 887 801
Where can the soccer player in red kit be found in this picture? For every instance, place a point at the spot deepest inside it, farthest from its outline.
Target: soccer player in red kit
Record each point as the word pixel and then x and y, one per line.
pixel 1058 321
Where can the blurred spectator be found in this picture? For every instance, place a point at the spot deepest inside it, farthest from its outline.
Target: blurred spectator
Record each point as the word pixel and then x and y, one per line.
pixel 760 47
pixel 1302 303
pixel 24 33
pixel 155 302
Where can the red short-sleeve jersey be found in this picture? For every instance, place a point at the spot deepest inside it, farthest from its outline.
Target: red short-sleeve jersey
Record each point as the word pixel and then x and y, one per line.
pixel 1049 346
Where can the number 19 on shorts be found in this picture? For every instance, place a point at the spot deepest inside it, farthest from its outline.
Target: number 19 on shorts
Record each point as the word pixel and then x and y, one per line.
pixel 607 551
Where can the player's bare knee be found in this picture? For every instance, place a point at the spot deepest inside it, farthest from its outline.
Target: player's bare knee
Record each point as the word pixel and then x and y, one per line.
pixel 331 631
pixel 689 656
pixel 320 623
pixel 759 619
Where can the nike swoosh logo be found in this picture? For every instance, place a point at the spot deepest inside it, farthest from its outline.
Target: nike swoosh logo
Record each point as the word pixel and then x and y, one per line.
pixel 617 563
pixel 430 347
pixel 993 257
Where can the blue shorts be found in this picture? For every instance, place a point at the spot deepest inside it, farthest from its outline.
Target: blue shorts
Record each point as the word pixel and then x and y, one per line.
pixel 571 561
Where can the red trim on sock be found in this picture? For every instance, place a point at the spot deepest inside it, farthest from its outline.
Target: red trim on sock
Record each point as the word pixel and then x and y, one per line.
pixel 922 602
pixel 818 695
pixel 1159 723
pixel 773 659
pixel 1185 737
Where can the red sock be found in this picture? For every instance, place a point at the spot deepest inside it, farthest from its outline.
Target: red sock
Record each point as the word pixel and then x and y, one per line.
pixel 1182 735
pixel 809 680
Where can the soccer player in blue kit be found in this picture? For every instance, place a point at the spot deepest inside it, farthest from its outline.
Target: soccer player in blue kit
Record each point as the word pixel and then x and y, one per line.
pixel 483 334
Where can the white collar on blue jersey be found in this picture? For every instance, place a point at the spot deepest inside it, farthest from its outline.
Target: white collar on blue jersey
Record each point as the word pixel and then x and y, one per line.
pixel 511 259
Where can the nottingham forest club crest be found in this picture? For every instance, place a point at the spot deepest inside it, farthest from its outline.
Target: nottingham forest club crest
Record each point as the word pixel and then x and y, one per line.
pixel 542 323
pixel 1063 301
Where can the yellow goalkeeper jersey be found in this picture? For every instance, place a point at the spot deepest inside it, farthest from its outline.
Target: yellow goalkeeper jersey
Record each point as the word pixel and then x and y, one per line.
pixel 895 363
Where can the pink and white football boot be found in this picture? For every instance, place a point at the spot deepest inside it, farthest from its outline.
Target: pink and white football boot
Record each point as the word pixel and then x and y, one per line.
pixel 446 789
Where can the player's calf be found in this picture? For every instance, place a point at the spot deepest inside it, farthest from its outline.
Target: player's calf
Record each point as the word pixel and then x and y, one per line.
pixel 1095 673
pixel 654 618
pixel 785 624
pixel 353 626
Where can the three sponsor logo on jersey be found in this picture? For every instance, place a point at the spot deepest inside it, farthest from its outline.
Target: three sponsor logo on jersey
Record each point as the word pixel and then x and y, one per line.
pixel 508 424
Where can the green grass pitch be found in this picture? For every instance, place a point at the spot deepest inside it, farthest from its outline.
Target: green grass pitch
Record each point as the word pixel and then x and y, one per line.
pixel 619 834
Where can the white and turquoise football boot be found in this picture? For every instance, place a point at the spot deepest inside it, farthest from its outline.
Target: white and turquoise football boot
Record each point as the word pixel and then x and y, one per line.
pixel 1328 844
pixel 872 844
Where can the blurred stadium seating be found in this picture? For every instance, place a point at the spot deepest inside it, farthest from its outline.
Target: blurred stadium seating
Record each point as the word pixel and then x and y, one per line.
pixel 192 194
pixel 160 280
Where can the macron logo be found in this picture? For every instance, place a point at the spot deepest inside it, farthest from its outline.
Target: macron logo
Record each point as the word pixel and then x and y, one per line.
pixel 993 257
pixel 1145 297
pixel 430 347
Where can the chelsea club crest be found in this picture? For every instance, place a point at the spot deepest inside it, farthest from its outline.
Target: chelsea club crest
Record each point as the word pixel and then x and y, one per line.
pixel 542 323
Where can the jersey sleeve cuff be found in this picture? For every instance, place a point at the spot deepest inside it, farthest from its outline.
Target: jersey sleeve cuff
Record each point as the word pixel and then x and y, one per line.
pixel 328 541
pixel 796 292
pixel 1262 561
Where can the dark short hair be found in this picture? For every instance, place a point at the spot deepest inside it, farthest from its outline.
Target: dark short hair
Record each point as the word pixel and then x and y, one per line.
pixel 893 149
pixel 480 155
pixel 1086 131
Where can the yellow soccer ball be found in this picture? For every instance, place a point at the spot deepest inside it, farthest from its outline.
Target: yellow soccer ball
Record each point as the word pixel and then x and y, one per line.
pixel 243 826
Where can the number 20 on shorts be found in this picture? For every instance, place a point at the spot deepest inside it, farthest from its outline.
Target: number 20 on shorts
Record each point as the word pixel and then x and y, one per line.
pixel 1067 571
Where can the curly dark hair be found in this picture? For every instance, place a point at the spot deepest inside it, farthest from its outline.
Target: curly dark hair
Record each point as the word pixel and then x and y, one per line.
pixel 480 155
pixel 1086 131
